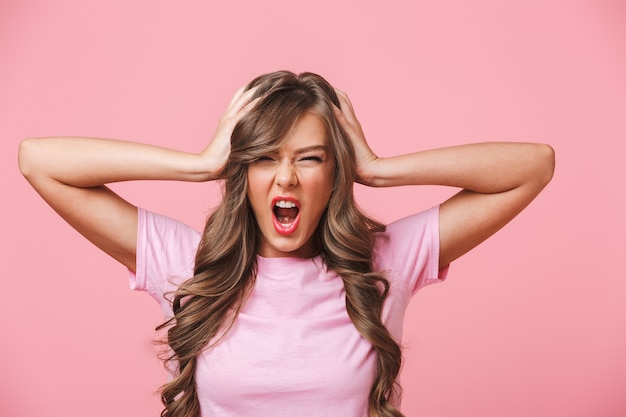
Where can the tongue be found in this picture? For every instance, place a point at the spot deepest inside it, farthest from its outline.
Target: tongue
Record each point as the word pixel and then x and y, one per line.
pixel 286 215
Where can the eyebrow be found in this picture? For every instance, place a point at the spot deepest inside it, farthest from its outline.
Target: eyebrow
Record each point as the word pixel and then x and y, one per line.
pixel 311 149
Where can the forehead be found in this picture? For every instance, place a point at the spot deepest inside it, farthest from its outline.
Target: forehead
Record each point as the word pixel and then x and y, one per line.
pixel 309 130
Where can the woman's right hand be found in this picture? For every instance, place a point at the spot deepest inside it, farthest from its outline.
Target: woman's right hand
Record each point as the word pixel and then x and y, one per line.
pixel 216 153
pixel 71 174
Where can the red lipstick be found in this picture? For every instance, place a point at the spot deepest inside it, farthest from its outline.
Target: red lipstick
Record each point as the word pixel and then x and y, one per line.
pixel 285 214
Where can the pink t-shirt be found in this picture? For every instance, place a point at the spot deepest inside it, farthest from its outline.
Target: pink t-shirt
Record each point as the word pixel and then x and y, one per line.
pixel 293 350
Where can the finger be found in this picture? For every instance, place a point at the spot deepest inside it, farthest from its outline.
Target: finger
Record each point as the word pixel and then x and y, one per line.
pixel 351 130
pixel 341 97
pixel 237 94
pixel 346 108
pixel 339 115
pixel 344 101
pixel 248 106
pixel 235 115
pixel 241 99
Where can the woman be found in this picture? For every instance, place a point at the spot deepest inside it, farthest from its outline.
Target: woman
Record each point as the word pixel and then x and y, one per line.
pixel 291 301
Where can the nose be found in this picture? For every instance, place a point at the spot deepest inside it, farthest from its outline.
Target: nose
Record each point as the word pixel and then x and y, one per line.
pixel 286 174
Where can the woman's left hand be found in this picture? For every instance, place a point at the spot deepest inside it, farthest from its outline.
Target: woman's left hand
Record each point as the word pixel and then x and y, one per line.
pixel 365 158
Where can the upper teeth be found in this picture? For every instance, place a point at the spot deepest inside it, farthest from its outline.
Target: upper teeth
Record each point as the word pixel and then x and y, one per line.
pixel 285 204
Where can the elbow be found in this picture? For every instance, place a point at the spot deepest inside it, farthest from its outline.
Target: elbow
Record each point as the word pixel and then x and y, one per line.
pixel 24 156
pixel 27 156
pixel 539 166
pixel 548 162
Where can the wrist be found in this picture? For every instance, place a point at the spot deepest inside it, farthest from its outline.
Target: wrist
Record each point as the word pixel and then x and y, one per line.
pixel 202 167
pixel 369 172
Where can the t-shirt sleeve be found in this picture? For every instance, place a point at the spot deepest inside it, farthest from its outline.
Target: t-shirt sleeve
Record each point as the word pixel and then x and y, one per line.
pixel 166 250
pixel 409 251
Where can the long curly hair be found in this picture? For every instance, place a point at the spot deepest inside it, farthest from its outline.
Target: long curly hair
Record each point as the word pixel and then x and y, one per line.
pixel 206 305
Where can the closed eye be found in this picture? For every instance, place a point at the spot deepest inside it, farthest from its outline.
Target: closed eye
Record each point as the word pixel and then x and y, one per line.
pixel 264 158
pixel 312 158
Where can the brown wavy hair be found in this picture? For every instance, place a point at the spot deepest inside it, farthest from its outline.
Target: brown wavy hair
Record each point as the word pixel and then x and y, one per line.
pixel 206 305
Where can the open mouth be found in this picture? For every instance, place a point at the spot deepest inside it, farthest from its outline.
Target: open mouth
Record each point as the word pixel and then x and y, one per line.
pixel 286 217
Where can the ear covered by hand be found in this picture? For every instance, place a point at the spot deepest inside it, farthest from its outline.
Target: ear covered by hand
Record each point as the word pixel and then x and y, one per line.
pixel 218 150
pixel 365 157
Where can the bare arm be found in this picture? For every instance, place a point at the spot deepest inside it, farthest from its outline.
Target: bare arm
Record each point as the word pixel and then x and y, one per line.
pixel 71 175
pixel 498 181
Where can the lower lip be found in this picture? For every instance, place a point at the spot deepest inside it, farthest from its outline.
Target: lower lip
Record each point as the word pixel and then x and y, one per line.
pixel 285 229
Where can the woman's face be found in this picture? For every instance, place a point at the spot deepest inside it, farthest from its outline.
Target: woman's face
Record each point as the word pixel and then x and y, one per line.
pixel 289 190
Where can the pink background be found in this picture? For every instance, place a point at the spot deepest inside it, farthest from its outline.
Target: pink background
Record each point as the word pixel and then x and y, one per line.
pixel 533 322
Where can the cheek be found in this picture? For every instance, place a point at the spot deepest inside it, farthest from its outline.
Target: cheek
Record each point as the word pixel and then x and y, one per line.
pixel 329 180
pixel 322 185
pixel 253 190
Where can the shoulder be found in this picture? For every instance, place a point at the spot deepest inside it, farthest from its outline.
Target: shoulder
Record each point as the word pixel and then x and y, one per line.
pixel 408 232
pixel 166 250
pixel 408 250
pixel 162 230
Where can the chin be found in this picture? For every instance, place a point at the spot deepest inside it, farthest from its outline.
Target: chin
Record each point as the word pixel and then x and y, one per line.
pixel 287 249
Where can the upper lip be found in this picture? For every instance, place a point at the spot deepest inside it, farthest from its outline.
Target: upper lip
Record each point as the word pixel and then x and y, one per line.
pixel 285 198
